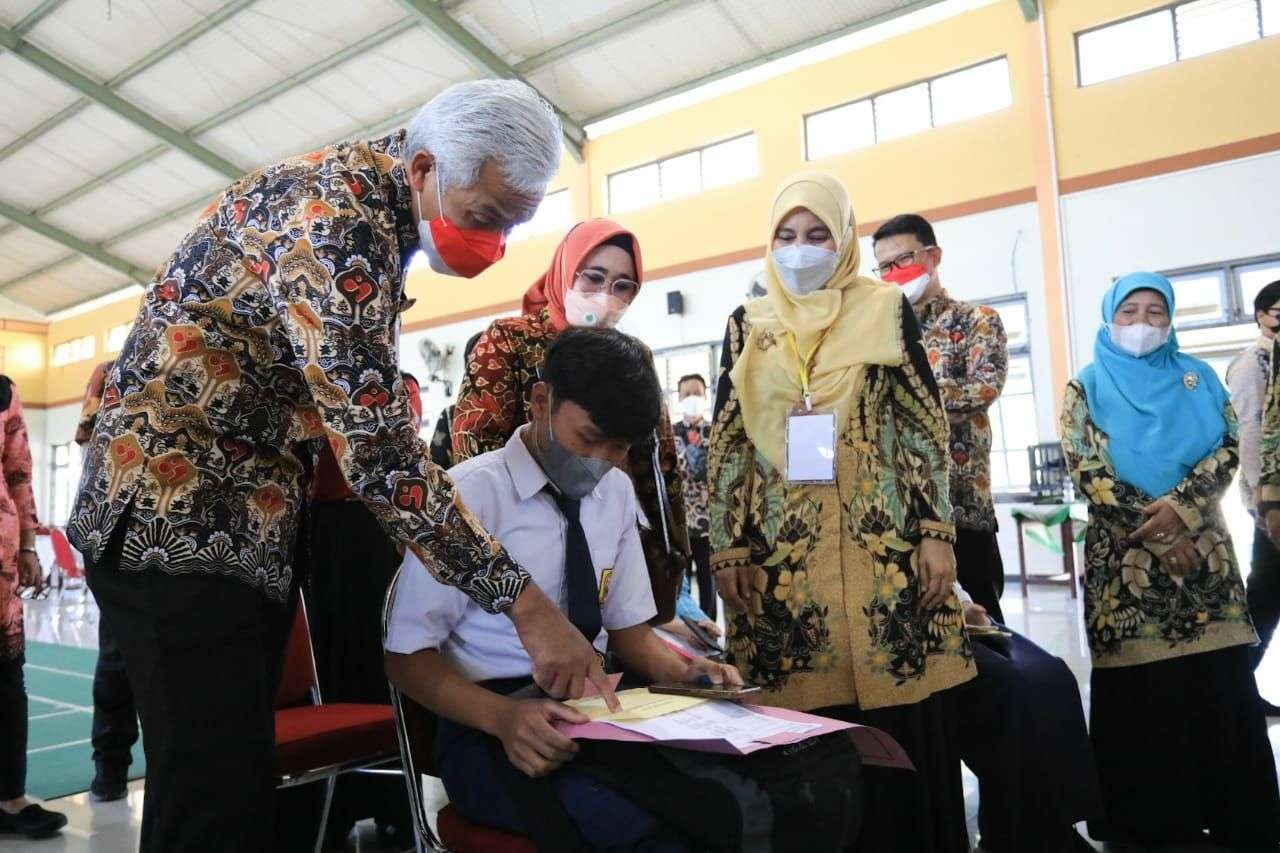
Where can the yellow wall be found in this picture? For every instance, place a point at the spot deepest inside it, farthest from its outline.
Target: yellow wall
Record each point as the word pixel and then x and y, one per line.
pixel 1186 107
pixel 24 362
pixel 1197 103
pixel 66 384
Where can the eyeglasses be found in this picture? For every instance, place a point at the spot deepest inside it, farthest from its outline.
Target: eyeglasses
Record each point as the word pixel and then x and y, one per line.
pixel 595 281
pixel 901 261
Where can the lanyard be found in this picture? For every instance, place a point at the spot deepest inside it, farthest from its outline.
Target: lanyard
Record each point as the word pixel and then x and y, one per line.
pixel 805 363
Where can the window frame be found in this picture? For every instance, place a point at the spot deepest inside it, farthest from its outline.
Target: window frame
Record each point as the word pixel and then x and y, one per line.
pixel 1170 9
pixel 657 164
pixel 928 84
pixel 1011 492
pixel 1235 311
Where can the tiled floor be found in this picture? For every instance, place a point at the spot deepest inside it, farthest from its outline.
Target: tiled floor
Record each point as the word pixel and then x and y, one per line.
pixel 1050 616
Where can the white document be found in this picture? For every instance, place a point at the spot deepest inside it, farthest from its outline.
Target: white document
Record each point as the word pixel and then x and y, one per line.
pixel 811 447
pixel 715 720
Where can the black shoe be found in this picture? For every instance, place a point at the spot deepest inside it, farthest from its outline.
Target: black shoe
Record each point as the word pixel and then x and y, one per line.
pixel 34 822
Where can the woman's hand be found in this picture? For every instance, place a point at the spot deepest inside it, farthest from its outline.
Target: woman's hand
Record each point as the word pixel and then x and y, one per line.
pixel 718 673
pixel 30 572
pixel 1163 524
pixel 711 627
pixel 975 614
pixel 936 564
pixel 734 586
pixel 1181 559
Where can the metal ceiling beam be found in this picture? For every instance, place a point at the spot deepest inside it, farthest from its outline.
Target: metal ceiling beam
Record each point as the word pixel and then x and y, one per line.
pixel 1030 9
pixel 71 241
pixel 474 51
pixel 765 58
pixel 38 14
pixel 611 30
pixel 56 68
pixel 170 47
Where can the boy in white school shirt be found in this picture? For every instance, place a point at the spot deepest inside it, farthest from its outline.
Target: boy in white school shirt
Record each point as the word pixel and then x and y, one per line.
pixel 553 497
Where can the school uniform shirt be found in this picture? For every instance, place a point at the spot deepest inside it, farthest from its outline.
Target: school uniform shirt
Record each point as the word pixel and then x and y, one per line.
pixel 268 333
pixel 505 489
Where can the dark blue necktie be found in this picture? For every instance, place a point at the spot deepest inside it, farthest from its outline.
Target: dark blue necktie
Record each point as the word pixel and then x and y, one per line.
pixel 579 572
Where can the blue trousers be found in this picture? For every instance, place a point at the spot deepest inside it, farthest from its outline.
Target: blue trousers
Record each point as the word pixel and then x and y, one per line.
pixel 464 759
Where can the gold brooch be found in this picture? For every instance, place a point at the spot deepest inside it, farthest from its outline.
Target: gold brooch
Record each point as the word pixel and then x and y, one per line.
pixel 1191 379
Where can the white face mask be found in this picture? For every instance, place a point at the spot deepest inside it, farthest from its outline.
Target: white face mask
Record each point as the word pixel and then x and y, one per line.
pixel 427 243
pixel 915 288
pixel 593 310
pixel 804 269
pixel 1139 339
pixel 693 406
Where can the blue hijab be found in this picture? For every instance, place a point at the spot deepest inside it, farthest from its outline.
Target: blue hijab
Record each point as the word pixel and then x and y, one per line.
pixel 1162 411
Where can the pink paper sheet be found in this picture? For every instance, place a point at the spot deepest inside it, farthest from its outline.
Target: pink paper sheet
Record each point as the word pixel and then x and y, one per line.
pixel 875 747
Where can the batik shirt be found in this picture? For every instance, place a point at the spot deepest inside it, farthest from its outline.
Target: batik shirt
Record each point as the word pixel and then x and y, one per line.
pixel 967 350
pixel 493 402
pixel 693 444
pixel 1135 611
pixel 268 333
pixel 835 616
pixel 17 515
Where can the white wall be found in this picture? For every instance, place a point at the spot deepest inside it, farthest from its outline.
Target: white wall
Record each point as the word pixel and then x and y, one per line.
pixel 1201 216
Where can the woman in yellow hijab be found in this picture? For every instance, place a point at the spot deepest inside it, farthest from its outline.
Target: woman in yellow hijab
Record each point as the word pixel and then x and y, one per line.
pixel 830 517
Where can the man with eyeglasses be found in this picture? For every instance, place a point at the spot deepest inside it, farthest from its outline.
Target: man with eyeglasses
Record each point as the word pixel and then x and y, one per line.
pixel 1247 377
pixel 966 346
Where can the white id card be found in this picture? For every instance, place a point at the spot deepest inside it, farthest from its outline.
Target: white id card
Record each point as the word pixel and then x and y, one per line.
pixel 811 447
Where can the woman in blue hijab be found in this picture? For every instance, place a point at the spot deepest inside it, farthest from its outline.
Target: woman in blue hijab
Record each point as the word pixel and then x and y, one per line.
pixel 1176 721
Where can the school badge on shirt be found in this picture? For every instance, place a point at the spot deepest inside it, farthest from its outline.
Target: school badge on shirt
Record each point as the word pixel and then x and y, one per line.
pixel 1191 379
pixel 606 577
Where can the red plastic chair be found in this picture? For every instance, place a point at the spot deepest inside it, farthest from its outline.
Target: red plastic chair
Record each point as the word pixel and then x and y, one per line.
pixel 317 741
pixel 415 730
pixel 65 557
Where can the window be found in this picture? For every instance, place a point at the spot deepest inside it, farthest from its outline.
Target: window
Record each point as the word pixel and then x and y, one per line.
pixel 76 349
pixel 943 100
pixel 555 213
pixel 1013 415
pixel 1176 32
pixel 671 364
pixel 684 174
pixel 116 336
pixel 1214 313
pixel 66 480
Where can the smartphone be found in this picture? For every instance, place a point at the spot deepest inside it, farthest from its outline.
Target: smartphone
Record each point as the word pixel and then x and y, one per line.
pixel 699 691
pixel 703 636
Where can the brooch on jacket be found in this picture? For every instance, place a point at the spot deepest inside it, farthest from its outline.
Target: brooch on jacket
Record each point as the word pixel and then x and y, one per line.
pixel 1191 379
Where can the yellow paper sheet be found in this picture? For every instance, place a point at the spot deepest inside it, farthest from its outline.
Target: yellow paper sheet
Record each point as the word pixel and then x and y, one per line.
pixel 637 704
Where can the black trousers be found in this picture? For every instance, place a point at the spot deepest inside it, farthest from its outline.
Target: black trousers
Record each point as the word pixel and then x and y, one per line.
pixel 352 564
pixel 980 569
pixel 913 811
pixel 203 654
pixel 1022 732
pixel 1263 592
pixel 13 730
pixel 701 546
pixel 115 720
pixel 1181 746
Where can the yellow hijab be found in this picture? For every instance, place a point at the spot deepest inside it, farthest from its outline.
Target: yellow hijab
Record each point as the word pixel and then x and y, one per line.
pixel 853 322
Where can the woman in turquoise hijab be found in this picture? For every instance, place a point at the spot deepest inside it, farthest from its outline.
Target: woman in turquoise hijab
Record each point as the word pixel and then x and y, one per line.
pixel 1176 721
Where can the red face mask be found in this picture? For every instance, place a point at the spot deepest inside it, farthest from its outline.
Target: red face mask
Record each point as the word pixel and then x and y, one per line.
pixel 905 275
pixel 451 250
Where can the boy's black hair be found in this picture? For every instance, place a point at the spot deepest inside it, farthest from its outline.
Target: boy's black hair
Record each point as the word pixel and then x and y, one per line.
pixel 609 374
pixel 1267 297
pixel 906 223
pixel 689 377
